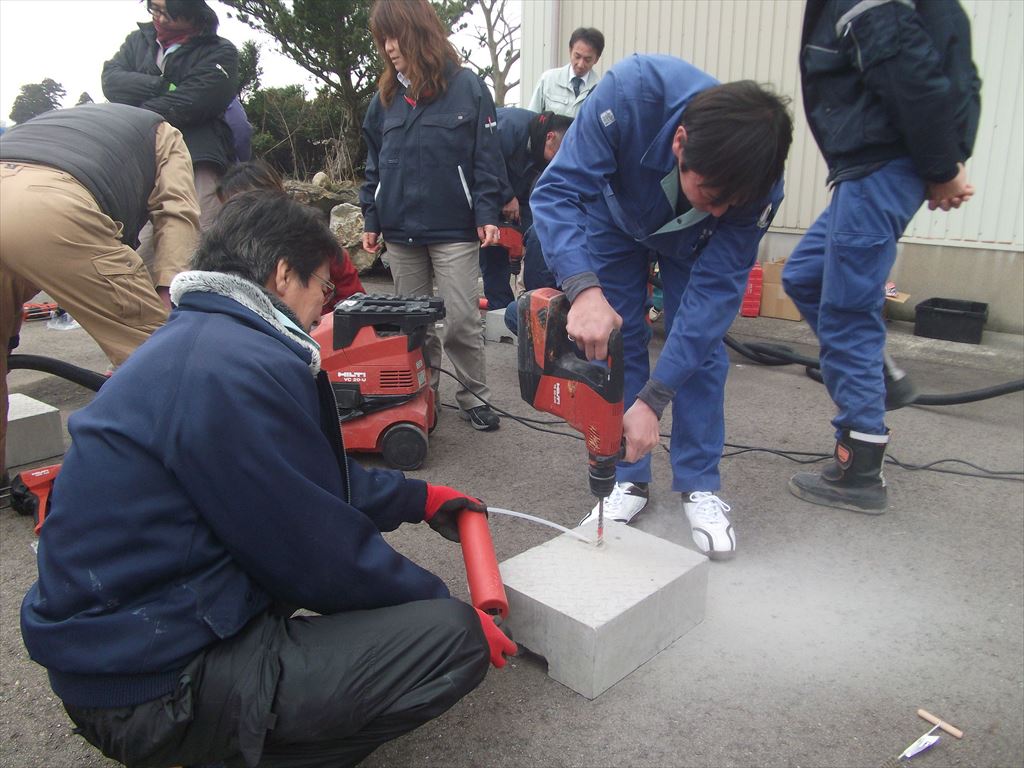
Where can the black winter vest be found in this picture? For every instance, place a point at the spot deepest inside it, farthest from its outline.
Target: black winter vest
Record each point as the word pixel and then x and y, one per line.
pixel 109 148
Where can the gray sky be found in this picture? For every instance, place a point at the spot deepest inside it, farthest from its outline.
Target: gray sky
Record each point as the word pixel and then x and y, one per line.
pixel 68 41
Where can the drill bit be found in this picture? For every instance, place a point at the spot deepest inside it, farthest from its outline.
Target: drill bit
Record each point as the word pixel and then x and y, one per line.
pixel 600 521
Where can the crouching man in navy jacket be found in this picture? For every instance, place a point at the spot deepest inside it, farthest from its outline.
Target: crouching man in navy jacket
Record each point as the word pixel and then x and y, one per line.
pixel 206 488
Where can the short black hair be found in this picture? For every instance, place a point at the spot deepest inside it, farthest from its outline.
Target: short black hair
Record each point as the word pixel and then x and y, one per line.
pixel 737 137
pixel 538 130
pixel 196 11
pixel 590 36
pixel 256 230
pixel 245 177
pixel 557 123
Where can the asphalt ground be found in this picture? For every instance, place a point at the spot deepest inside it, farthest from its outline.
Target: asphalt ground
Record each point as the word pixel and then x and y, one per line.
pixel 821 639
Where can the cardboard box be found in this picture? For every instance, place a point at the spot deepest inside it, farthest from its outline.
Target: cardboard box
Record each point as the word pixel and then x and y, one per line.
pixel 897 297
pixel 774 301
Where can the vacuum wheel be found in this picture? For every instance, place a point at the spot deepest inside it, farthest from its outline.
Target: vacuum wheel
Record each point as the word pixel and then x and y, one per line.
pixel 404 446
pixel 22 499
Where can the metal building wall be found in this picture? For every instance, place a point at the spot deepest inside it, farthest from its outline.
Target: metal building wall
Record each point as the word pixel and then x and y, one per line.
pixel 759 40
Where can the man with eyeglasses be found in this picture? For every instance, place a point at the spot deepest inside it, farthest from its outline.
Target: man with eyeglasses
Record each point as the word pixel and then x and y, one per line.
pixel 662 160
pixel 206 496
pixel 177 66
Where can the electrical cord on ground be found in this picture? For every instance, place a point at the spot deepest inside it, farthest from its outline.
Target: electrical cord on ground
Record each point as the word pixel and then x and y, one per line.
pixel 734 449
pixel 92 380
pixel 778 354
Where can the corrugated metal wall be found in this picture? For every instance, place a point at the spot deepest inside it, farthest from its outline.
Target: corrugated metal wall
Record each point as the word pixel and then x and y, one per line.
pixel 759 40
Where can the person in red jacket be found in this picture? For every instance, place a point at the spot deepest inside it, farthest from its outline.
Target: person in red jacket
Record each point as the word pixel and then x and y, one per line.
pixel 258 174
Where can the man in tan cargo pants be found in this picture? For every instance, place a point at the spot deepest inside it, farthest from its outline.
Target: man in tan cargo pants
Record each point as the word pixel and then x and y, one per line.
pixel 76 187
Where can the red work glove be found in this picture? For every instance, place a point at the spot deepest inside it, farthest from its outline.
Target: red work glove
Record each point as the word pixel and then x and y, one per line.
pixel 441 512
pixel 499 643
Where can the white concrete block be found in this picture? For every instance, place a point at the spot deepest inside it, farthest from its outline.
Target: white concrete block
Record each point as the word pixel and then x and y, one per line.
pixel 598 613
pixel 33 431
pixel 495 328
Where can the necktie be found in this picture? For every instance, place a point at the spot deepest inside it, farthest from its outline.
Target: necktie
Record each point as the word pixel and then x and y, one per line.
pixel 577 83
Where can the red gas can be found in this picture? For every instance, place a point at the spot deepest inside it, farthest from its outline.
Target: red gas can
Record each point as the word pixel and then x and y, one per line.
pixel 752 297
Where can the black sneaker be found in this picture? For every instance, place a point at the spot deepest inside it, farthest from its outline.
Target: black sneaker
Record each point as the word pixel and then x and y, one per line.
pixel 482 418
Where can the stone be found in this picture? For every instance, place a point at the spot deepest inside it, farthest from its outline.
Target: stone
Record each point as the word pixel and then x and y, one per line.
pixel 321 198
pixel 495 328
pixel 596 613
pixel 34 431
pixel 320 179
pixel 347 225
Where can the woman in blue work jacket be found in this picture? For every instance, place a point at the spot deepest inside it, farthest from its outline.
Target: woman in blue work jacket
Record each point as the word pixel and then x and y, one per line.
pixel 434 175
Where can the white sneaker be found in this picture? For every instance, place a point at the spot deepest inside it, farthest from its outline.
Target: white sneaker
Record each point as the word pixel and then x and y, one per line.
pixel 626 501
pixel 712 531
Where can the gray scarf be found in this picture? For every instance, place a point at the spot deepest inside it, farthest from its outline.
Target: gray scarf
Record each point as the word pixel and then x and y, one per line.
pixel 247 293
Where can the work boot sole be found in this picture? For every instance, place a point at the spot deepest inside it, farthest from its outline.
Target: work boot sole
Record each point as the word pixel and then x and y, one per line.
pixel 830 500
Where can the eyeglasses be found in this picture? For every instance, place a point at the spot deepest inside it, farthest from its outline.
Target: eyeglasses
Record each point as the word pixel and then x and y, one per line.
pixel 157 12
pixel 325 285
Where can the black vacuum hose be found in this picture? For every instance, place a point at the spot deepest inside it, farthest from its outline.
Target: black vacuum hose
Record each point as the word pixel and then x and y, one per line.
pixel 777 354
pixel 73 373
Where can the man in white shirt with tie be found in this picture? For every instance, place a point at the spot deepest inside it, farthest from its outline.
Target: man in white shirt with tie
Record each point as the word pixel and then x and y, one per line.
pixel 564 89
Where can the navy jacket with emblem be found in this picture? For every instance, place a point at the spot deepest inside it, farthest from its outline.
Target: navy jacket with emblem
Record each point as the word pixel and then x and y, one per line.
pixel 434 171
pixel 203 483
pixel 522 170
pixel 888 79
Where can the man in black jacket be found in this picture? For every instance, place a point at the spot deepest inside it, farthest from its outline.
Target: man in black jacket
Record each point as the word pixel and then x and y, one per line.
pixel 892 97
pixel 178 67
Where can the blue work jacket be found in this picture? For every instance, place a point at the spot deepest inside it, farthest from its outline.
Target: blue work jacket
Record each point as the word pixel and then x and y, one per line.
pixel 617 156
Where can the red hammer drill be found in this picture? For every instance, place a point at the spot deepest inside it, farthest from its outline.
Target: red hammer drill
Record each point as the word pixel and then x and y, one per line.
pixel 554 379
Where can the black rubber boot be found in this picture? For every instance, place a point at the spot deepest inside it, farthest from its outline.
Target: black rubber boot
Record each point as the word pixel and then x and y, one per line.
pixel 854 481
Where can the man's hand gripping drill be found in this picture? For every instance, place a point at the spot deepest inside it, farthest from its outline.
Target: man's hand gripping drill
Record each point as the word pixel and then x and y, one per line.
pixel 554 379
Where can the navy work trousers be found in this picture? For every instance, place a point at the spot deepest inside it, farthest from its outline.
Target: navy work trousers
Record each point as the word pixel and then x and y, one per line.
pixel 698 408
pixel 836 277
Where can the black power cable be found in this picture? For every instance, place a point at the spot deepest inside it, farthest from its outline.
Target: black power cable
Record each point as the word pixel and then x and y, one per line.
pixel 799 457
pixel 92 380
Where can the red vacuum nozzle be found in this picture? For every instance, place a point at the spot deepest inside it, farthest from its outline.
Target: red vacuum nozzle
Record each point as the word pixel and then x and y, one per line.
pixel 486 590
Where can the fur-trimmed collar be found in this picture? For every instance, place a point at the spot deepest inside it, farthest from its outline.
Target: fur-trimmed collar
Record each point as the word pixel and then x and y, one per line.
pixel 247 293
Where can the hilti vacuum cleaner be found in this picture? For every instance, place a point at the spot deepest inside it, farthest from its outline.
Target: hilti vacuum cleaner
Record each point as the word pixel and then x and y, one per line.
pixel 372 349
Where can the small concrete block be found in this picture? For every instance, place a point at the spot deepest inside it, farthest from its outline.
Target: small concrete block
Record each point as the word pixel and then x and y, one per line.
pixel 33 431
pixel 598 613
pixel 495 328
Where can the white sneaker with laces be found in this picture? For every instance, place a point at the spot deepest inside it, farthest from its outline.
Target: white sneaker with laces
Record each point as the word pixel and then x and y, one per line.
pixel 626 501
pixel 711 529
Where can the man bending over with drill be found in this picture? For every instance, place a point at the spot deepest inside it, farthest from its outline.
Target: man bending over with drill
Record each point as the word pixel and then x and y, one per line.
pixel 207 488
pixel 662 158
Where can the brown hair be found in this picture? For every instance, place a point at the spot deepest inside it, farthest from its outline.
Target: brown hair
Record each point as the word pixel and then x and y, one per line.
pixel 244 177
pixel 424 44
